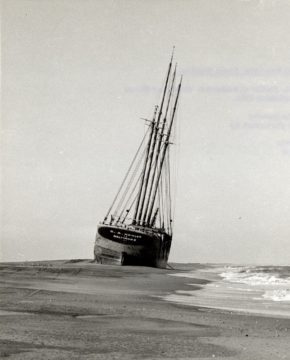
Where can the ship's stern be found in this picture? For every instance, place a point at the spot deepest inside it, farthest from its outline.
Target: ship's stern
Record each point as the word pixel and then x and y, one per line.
pixel 129 246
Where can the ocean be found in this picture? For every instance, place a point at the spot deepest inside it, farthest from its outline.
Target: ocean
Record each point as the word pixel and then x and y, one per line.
pixel 263 290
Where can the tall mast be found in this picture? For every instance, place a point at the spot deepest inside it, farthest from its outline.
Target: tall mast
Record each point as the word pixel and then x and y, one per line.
pixel 158 149
pixel 163 155
pixel 140 210
pixel 152 125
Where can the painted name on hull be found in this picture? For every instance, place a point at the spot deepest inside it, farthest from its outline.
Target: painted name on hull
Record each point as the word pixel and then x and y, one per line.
pixel 125 236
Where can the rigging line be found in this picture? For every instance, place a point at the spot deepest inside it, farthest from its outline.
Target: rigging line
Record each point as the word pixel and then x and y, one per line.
pixel 158 146
pixel 163 187
pixel 129 198
pixel 169 193
pixel 159 203
pixel 164 150
pixel 136 194
pixel 156 160
pixel 166 192
pixel 126 175
pixel 132 192
pixel 176 167
pixel 141 189
pixel 166 197
pixel 148 175
pixel 164 180
pixel 139 215
pixel 126 190
pixel 130 207
pixel 129 183
pixel 164 175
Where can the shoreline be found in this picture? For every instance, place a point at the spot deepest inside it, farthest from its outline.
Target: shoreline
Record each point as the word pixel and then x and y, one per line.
pixel 80 310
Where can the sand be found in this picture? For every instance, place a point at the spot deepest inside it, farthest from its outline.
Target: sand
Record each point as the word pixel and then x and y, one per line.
pixel 81 310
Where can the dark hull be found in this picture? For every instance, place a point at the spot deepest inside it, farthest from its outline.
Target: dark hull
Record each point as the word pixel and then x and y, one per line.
pixel 132 246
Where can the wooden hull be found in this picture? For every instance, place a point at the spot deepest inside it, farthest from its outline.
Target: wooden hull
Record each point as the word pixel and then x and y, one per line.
pixel 132 246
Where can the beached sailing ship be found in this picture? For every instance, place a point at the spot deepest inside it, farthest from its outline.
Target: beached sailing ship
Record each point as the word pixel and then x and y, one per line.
pixel 137 229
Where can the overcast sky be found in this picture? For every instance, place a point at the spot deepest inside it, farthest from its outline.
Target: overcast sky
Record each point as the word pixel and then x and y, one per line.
pixel 77 75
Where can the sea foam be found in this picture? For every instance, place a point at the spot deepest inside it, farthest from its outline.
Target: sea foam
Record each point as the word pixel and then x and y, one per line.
pixel 277 295
pixel 251 277
pixel 252 289
pixel 275 282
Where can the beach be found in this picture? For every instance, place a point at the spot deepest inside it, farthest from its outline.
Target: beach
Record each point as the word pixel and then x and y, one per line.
pixel 81 310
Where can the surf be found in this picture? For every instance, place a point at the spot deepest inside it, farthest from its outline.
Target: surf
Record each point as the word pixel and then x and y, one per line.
pixel 261 290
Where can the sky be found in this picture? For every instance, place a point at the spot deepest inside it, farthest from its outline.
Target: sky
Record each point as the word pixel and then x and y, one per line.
pixel 77 76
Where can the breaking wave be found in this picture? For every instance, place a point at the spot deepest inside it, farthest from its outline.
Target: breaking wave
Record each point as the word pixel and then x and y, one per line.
pixel 274 281
pixel 277 295
pixel 262 290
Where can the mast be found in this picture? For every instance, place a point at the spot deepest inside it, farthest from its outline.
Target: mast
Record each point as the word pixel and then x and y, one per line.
pixel 163 155
pixel 156 128
pixel 158 150
pixel 152 125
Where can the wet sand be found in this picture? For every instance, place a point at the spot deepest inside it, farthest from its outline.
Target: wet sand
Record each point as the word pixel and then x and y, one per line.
pixel 81 310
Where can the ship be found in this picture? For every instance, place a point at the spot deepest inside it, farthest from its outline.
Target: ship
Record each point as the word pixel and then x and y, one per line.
pixel 138 226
